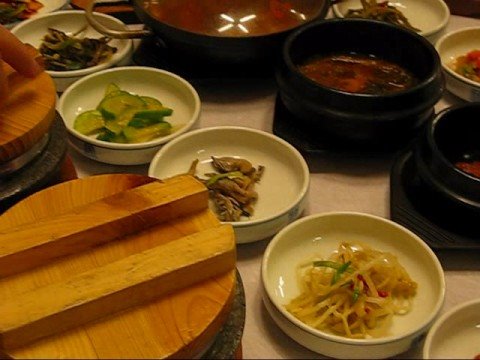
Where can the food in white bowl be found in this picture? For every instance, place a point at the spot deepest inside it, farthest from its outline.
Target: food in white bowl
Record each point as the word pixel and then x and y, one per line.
pixel 455 334
pixel 74 25
pixel 280 192
pixel 460 56
pixel 394 310
pixel 140 83
pixel 14 11
pixel 428 18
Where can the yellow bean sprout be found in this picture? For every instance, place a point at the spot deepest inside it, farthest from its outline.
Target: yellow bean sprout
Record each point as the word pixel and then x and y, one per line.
pixel 354 293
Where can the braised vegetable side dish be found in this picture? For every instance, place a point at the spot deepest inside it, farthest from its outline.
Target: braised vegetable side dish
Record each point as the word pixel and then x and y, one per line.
pixel 383 11
pixel 15 10
pixel 357 73
pixel 468 65
pixel 123 117
pixel 232 186
pixel 62 52
pixel 354 293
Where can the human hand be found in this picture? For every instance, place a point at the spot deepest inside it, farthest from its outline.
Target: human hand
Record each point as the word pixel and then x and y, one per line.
pixel 19 56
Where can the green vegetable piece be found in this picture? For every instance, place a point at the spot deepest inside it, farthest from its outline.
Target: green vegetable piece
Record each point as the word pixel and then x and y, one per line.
pixel 113 126
pixel 230 175
pixel 112 107
pixel 111 89
pixel 356 294
pixel 89 122
pixel 141 123
pixel 136 135
pixel 330 264
pixel 154 114
pixel 340 271
pixel 106 135
pixel 152 103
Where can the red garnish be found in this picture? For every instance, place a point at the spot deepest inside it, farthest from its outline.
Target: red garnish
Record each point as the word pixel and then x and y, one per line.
pixel 382 293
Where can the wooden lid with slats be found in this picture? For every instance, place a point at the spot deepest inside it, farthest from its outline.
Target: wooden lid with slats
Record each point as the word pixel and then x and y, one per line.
pixel 26 114
pixel 180 324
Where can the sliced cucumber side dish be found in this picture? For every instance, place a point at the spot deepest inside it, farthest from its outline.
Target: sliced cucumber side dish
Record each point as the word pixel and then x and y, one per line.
pixel 123 117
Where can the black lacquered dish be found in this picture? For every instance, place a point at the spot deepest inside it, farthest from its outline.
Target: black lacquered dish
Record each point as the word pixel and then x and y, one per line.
pixel 417 208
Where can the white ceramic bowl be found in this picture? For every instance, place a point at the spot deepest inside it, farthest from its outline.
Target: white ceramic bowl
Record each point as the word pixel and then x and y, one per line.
pixel 430 16
pixel 321 234
pixel 282 190
pixel 449 47
pixel 48 7
pixel 455 334
pixel 85 94
pixel 33 30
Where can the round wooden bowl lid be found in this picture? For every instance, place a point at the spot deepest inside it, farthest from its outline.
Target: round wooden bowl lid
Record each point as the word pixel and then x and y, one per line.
pixel 27 113
pixel 181 324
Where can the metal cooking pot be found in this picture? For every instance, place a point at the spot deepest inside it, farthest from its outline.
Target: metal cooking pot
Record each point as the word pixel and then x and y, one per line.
pixel 236 32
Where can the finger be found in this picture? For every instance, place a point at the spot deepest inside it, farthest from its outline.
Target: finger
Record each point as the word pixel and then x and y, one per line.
pixel 17 54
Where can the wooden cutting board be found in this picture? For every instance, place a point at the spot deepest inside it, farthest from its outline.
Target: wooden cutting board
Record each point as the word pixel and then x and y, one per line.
pixel 26 114
pixel 179 324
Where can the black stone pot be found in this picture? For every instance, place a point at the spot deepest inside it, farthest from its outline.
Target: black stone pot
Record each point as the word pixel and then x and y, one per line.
pixel 453 135
pixel 197 49
pixel 370 121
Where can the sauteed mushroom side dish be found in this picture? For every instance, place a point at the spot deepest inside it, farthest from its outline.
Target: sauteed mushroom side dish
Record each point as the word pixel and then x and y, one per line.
pixel 232 186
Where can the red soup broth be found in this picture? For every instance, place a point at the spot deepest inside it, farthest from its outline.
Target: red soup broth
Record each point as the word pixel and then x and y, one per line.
pixel 236 18
pixel 358 74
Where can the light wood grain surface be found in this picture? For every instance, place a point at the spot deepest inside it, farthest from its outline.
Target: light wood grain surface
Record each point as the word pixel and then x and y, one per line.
pixel 180 324
pixel 26 114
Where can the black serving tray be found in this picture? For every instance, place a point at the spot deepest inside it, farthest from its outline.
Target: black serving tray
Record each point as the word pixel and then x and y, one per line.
pixel 311 141
pixel 415 207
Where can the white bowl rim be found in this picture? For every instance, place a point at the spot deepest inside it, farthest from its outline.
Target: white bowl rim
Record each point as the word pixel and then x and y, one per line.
pixel 440 26
pixel 92 69
pixel 134 146
pixel 246 223
pixel 337 338
pixel 445 67
pixel 441 320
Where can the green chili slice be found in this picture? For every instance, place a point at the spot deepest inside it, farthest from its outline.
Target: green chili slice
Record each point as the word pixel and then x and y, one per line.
pixel 230 175
pixel 339 267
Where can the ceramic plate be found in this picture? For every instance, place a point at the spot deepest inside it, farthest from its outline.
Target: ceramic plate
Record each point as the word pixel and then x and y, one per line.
pixel 430 16
pixel 456 333
pixel 282 190
pixel 48 6
pixel 321 234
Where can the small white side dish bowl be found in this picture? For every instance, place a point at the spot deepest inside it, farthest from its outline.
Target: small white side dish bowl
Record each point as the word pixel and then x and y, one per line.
pixel 430 16
pixel 48 7
pixel 455 334
pixel 321 234
pixel 70 22
pixel 449 47
pixel 282 190
pixel 85 94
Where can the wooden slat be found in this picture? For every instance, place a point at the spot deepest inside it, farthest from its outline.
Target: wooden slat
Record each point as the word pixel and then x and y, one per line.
pixel 128 282
pixel 127 212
